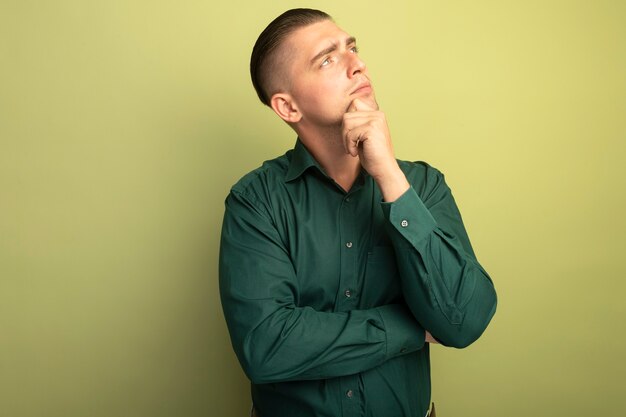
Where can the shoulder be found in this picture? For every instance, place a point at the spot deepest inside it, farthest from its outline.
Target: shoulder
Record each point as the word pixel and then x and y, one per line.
pixel 261 182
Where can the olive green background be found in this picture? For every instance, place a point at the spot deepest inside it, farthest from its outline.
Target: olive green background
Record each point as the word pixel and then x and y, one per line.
pixel 124 123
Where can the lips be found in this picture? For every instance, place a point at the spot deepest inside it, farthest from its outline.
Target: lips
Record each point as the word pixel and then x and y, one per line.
pixel 365 87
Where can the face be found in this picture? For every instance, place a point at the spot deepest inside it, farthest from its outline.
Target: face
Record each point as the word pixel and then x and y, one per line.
pixel 326 73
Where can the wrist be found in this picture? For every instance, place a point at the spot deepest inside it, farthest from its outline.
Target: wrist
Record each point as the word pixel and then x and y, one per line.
pixel 392 184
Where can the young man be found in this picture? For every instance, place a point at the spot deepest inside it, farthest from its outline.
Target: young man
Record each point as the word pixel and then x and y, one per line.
pixel 340 264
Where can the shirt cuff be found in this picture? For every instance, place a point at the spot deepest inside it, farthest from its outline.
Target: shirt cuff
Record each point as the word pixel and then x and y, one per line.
pixel 409 216
pixel 404 334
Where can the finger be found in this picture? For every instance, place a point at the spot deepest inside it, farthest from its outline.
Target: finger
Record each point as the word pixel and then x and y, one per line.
pixel 358 105
pixel 350 124
pixel 353 146
pixel 351 136
pixel 351 120
pixel 362 105
pixel 356 115
pixel 354 138
pixel 349 142
pixel 352 107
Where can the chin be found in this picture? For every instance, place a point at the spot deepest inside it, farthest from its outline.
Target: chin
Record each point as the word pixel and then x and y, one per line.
pixel 370 99
pixel 373 102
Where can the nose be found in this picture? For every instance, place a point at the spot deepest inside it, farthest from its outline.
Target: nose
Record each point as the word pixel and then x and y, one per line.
pixel 356 65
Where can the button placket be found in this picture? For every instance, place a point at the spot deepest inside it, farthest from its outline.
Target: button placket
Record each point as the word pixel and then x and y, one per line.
pixel 349 229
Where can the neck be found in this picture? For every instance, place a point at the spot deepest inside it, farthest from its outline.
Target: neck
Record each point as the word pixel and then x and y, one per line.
pixel 328 150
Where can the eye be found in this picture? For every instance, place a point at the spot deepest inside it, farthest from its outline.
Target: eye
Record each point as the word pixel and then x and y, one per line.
pixel 354 49
pixel 327 61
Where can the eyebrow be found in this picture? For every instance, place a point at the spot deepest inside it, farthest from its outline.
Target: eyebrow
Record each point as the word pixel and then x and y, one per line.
pixel 332 48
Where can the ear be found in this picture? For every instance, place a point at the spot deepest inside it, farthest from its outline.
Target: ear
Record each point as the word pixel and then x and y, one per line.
pixel 284 106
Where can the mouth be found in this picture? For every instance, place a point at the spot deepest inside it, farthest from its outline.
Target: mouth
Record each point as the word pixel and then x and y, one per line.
pixel 363 88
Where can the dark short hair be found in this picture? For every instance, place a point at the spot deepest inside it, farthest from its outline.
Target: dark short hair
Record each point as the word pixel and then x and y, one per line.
pixel 271 38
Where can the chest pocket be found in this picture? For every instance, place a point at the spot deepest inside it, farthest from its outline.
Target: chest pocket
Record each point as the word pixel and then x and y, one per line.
pixel 381 284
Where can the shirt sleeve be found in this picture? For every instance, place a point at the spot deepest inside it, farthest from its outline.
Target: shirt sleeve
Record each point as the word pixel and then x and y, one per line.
pixel 445 287
pixel 275 339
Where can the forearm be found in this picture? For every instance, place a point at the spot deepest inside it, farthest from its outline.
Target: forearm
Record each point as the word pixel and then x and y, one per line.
pixel 445 287
pixel 300 343
pixel 448 292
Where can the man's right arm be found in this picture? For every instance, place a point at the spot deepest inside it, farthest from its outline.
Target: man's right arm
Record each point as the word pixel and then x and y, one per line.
pixel 277 340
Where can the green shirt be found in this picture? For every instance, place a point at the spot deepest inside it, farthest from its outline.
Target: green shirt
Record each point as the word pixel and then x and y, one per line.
pixel 327 293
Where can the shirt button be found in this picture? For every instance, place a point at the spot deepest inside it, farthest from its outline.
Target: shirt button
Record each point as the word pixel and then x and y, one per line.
pixel 348 245
pixel 348 293
pixel 347 199
pixel 349 394
pixel 404 223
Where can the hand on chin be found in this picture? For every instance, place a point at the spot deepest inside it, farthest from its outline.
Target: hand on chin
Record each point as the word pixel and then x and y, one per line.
pixel 368 101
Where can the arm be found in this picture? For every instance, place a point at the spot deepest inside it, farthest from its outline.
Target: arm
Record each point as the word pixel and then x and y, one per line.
pixel 277 340
pixel 445 287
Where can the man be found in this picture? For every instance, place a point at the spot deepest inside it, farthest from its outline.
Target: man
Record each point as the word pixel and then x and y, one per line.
pixel 340 264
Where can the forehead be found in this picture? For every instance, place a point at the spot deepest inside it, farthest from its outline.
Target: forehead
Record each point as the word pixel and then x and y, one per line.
pixel 305 42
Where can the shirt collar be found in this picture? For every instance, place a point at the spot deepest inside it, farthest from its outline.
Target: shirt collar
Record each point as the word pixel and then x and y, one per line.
pixel 301 160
